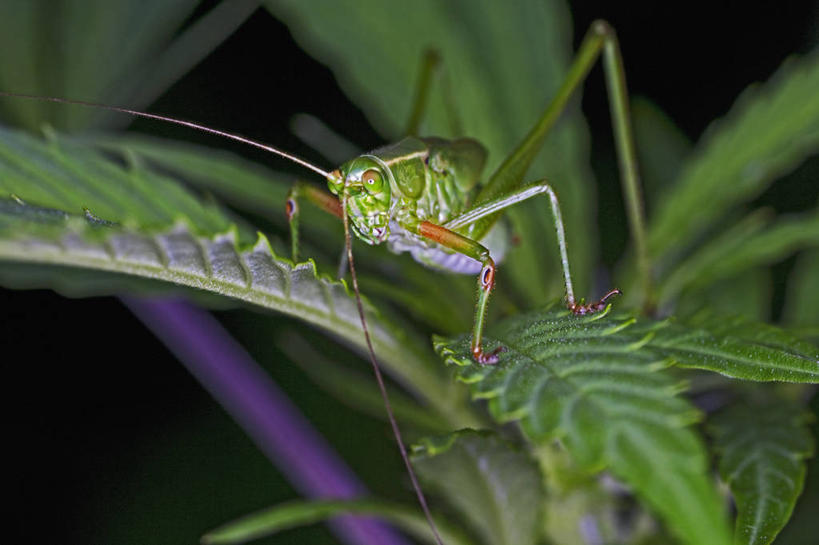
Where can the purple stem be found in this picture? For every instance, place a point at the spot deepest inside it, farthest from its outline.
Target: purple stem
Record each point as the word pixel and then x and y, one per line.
pixel 257 404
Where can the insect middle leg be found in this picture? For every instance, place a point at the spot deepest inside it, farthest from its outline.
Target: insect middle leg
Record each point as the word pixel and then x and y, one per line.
pixel 445 236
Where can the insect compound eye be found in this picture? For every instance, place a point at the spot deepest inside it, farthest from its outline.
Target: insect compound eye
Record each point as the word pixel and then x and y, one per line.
pixel 373 181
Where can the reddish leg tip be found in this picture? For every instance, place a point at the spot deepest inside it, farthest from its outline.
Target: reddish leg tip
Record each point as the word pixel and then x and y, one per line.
pixel 485 358
pixel 289 209
pixel 580 309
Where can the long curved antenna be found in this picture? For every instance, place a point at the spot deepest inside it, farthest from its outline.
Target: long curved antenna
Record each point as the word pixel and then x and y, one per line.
pixel 380 379
pixel 348 243
pixel 189 124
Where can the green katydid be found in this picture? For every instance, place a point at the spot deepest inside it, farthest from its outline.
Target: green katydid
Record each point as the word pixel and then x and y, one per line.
pixel 422 196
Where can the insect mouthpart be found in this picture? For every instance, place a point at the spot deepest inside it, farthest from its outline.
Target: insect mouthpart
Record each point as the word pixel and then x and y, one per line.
pixel 372 228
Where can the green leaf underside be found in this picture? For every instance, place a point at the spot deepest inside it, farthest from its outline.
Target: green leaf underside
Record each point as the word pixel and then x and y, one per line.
pixel 597 384
pixel 215 264
pixel 299 513
pixel 52 240
pixel 762 458
pixel 770 130
pixel 495 486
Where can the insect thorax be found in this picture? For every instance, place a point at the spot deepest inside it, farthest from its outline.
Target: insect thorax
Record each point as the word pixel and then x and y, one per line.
pixel 434 180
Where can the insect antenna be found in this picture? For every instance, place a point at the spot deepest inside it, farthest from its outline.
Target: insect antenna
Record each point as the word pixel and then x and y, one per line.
pixel 175 121
pixel 347 240
pixel 380 379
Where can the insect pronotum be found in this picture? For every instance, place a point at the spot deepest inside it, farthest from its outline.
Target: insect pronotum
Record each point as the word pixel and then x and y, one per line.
pixel 422 195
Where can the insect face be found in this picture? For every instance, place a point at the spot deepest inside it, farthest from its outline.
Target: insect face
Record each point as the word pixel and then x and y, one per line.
pixel 364 185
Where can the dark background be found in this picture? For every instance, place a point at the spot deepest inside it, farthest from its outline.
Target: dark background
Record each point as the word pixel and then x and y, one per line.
pixel 105 450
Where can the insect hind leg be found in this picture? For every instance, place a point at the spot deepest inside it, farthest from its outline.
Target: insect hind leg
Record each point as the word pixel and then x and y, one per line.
pixel 431 70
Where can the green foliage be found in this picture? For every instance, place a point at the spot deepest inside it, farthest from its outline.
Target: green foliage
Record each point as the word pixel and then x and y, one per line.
pixel 770 130
pixel 592 385
pixel 802 307
pixel 762 452
pixel 493 485
pixel 738 347
pixel 62 175
pixel 603 393
pixel 749 243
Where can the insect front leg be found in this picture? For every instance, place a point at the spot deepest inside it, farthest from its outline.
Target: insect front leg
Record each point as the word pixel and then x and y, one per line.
pixel 486 280
pixel 322 199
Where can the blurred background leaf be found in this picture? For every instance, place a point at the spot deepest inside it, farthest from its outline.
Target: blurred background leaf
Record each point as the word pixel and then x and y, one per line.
pixel 762 452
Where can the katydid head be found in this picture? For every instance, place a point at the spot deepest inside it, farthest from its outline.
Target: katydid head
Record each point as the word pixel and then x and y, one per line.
pixel 363 184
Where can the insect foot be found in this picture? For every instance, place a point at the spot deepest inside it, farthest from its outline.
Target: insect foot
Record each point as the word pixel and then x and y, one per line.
pixel 580 309
pixel 487 358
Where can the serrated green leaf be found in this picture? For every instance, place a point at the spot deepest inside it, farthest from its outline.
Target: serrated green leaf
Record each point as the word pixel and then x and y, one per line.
pixel 768 132
pixel 293 514
pixel 217 264
pixel 762 458
pixel 500 81
pixel 495 486
pixel 593 383
pixel 737 347
pixel 750 243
